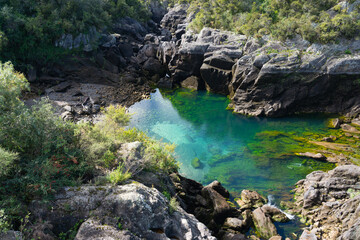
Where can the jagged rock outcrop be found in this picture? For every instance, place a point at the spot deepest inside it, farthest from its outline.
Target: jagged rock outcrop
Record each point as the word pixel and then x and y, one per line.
pixel 265 77
pixel 108 210
pixel 330 202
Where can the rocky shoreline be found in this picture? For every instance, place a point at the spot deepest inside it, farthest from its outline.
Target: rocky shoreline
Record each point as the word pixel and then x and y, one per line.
pixel 262 77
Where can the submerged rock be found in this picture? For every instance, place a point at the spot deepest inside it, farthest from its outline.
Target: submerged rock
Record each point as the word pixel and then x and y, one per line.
pixel 196 163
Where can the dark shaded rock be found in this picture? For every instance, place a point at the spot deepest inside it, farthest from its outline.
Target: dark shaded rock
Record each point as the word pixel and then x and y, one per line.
pixel 233 236
pixel 216 79
pixel 220 61
pixel 158 11
pixel 174 17
pixel 126 50
pixel 165 82
pixel 260 60
pixel 105 64
pixel 153 66
pixel 131 27
pixel 328 139
pixel 216 185
pixel 221 207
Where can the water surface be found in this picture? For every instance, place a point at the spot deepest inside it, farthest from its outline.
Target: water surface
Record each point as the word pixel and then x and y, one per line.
pixel 240 152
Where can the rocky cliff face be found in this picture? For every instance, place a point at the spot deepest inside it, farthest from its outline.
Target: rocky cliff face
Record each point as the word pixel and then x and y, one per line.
pixel 265 77
pixel 330 202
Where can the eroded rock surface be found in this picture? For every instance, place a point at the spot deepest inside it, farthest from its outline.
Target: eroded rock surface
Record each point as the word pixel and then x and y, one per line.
pixel 108 210
pixel 330 202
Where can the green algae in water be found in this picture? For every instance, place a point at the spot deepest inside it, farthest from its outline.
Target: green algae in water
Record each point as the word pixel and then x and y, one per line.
pixel 240 152
pixel 196 163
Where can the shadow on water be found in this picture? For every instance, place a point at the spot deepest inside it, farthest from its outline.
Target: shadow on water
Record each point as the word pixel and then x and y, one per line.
pixel 240 152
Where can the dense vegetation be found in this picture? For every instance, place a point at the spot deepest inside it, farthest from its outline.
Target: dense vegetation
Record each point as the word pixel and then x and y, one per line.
pixel 40 153
pixel 324 21
pixel 29 28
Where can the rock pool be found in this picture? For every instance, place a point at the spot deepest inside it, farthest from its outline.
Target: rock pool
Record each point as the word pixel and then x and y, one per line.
pixel 240 152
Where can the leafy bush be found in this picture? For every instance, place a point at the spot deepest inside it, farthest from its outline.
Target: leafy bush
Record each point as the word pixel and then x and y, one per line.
pixel 101 141
pixel 7 160
pixel 281 19
pixel 4 224
pixel 40 153
pixel 119 175
pixel 29 28
pixel 173 205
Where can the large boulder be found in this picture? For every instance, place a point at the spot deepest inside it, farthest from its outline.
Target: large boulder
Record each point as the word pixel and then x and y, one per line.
pixel 263 224
pixel 250 199
pixel 221 209
pixel 107 210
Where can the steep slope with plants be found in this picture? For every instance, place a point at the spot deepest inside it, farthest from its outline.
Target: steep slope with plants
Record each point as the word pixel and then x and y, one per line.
pixel 29 29
pixel 316 21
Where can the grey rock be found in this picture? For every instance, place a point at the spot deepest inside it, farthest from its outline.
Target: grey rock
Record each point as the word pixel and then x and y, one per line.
pixel 331 200
pixel 192 82
pixel 274 213
pixel 92 229
pixel 306 235
pixel 250 199
pixel 11 235
pixel 317 156
pixel 334 123
pixel 234 223
pixel 234 236
pixel 143 211
pixel 263 224
pixel 260 60
pixel 174 17
pixel 348 128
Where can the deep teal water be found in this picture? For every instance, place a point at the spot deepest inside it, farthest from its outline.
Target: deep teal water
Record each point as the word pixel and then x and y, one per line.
pixel 240 152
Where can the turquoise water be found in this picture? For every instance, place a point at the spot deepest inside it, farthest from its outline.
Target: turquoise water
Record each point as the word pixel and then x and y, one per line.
pixel 240 152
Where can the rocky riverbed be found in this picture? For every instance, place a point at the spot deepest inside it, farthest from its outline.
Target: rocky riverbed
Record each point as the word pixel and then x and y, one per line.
pixel 263 78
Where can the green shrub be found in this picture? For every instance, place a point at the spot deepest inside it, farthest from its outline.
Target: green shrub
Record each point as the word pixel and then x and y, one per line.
pixel 119 175
pixel 281 19
pixel 7 160
pixel 173 205
pixel 29 29
pixel 4 224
